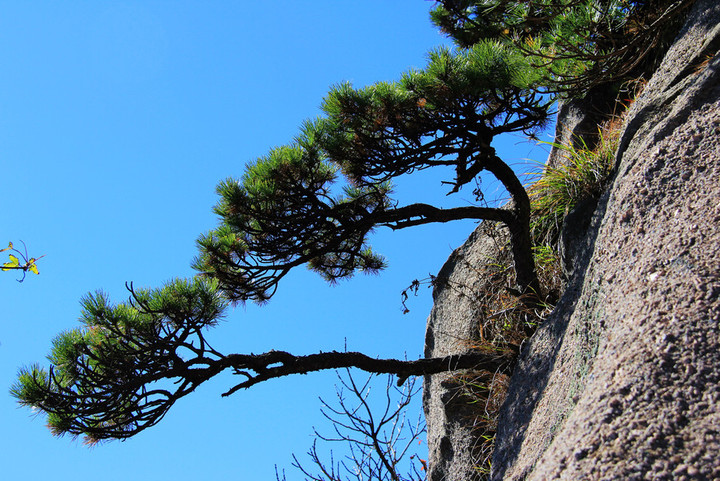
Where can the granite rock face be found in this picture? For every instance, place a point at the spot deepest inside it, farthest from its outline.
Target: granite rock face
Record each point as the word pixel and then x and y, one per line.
pixel 623 380
pixel 452 324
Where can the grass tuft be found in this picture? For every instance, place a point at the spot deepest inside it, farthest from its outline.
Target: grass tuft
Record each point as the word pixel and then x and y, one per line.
pixel 583 174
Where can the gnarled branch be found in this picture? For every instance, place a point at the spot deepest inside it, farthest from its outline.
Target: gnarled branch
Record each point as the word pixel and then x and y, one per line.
pixel 274 364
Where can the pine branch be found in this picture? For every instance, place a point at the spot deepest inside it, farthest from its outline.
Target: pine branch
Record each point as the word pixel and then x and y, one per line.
pixel 275 364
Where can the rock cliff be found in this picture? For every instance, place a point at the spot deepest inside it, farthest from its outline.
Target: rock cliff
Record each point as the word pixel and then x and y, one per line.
pixel 622 381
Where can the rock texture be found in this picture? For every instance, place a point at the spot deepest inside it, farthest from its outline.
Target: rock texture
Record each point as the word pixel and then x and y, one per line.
pixel 623 380
pixel 452 324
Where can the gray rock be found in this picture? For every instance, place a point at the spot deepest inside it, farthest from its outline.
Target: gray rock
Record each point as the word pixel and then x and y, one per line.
pixel 452 324
pixel 622 382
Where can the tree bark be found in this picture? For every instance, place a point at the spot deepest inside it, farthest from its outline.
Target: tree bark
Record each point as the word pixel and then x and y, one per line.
pixel 520 241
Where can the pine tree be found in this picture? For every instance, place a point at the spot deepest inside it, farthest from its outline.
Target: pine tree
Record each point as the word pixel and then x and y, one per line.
pixel 312 202
pixel 581 44
pixel 315 202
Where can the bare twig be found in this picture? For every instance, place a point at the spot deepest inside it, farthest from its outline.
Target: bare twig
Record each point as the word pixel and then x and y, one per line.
pixel 379 435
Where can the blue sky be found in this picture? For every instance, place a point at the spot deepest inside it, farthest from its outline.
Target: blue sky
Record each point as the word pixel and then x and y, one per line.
pixel 117 120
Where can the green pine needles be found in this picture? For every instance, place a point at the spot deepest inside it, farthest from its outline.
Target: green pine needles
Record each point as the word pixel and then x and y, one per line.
pixel 285 211
pixel 578 44
pixel 123 369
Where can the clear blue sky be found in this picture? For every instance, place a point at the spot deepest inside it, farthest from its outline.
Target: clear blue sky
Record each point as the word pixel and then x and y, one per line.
pixel 117 120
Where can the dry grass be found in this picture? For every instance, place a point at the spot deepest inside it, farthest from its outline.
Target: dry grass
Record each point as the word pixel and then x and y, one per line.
pixel 504 322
